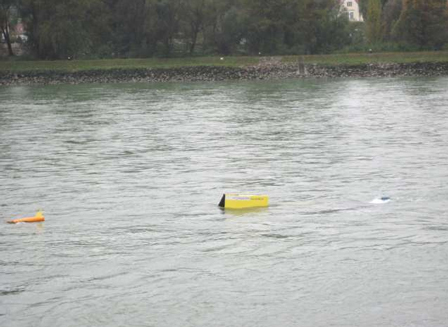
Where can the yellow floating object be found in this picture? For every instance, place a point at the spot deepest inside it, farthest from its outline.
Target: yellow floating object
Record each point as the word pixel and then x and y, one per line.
pixel 243 201
pixel 37 218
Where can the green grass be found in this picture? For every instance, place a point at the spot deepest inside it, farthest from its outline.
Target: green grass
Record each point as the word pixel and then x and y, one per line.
pixel 333 60
pixel 367 58
pixel 101 64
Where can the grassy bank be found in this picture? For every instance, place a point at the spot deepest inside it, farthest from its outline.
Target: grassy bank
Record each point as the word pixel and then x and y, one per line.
pixel 105 64
pixel 18 66
pixel 372 58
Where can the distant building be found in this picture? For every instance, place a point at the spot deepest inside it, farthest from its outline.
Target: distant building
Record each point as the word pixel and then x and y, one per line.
pixel 18 31
pixel 19 28
pixel 352 9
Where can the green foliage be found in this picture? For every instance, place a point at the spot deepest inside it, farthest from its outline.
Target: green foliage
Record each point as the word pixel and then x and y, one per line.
pixel 325 29
pixel 289 26
pixel 62 28
pixel 265 24
pixel 229 35
pixel 128 21
pixel 194 20
pixel 423 23
pixel 373 23
pixel 391 14
pixel 364 5
pixel 58 29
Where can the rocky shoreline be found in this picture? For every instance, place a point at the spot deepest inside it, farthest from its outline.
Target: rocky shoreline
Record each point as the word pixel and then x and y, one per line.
pixel 264 71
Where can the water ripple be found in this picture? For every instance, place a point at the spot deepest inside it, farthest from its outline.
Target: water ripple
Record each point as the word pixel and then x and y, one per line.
pixel 129 177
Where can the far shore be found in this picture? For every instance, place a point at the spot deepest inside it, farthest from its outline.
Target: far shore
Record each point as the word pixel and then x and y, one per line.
pixel 223 68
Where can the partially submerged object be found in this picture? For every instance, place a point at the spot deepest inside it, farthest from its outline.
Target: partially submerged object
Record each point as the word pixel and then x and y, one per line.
pixel 381 200
pixel 37 218
pixel 243 201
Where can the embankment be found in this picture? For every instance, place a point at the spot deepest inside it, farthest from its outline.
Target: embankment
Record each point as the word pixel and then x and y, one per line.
pixel 263 71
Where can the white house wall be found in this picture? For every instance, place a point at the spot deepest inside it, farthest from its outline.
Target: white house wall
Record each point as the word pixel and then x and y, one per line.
pixel 352 7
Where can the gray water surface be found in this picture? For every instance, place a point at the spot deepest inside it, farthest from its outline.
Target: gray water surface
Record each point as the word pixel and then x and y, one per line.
pixel 130 175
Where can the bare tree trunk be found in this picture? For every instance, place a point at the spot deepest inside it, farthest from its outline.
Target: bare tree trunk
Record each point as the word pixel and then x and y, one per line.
pixel 194 38
pixel 5 32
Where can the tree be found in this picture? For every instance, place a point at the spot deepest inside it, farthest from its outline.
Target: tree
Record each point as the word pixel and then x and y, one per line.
pixel 141 28
pixel 364 5
pixel 373 23
pixel 320 27
pixel 6 11
pixel 63 28
pixel 230 31
pixel 267 22
pixel 128 20
pixel 194 17
pixel 167 23
pixel 391 14
pixel 423 23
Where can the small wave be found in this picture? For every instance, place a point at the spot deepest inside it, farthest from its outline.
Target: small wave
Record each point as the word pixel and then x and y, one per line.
pixel 275 235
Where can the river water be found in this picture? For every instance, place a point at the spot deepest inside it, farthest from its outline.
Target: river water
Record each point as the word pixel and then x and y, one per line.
pixel 129 177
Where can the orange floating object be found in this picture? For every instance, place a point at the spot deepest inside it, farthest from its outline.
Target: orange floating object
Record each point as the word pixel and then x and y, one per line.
pixel 37 218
